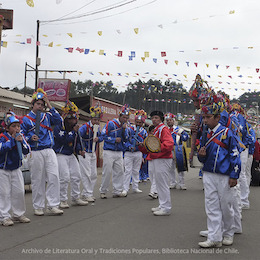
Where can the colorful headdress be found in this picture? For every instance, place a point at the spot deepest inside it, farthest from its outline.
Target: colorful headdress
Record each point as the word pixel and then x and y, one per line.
pixel 96 111
pixel 125 110
pixel 238 108
pixel 199 86
pixel 140 115
pixel 169 115
pixel 10 118
pixel 212 103
pixel 70 110
pixel 39 94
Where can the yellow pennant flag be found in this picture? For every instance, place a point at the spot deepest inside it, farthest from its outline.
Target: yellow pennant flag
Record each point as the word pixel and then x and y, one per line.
pixel 146 54
pixel 44 35
pixel 185 76
pixel 58 45
pixel 101 52
pixel 127 73
pixel 250 47
pixel 4 44
pixel 30 3
pixel 219 76
pixel 136 30
pixel 176 62
pixel 143 59
pixel 80 72
pixel 50 44
pixel 238 68
pixel 207 65
pixel 92 51
pixel 99 33
pixel 250 77
pixel 232 12
pixel 70 34
pixel 18 35
pixel 101 73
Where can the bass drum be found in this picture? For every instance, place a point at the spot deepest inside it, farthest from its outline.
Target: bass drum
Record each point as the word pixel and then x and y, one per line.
pixel 181 158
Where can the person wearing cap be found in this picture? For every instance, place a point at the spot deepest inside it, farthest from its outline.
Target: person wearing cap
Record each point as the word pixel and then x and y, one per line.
pixel 221 168
pixel 161 163
pixel 133 157
pixel 67 144
pixel 43 163
pixel 182 136
pixel 11 177
pixel 88 162
pixel 114 135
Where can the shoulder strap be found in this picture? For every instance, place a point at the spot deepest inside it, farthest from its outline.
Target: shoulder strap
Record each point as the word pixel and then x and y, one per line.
pixel 42 125
pixel 5 137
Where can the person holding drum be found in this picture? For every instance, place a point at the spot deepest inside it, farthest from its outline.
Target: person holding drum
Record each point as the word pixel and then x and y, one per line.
pixel 133 157
pixel 114 135
pixel 221 169
pixel 90 133
pixel 179 155
pixel 43 163
pixel 66 145
pixel 160 147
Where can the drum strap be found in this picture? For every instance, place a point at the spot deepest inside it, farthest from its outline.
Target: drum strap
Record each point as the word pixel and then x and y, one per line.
pixel 5 137
pixel 42 125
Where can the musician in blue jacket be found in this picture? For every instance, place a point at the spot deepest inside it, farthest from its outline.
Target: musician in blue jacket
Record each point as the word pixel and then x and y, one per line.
pixel 66 146
pixel 114 135
pixel 11 177
pixel 179 136
pixel 133 157
pixel 221 169
pixel 88 162
pixel 43 163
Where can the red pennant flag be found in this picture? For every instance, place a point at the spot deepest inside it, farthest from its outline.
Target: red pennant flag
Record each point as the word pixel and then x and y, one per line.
pixel 107 73
pixel 166 75
pixel 29 40
pixel 120 54
pixel 137 74
pixel 38 43
pixel 70 49
pixel 215 49
pixel 230 77
pixel 163 53
pixel 196 64
pixel 166 61
pixel 227 67
pixel 257 70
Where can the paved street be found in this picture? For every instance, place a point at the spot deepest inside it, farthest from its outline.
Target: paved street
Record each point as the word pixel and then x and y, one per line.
pixel 124 228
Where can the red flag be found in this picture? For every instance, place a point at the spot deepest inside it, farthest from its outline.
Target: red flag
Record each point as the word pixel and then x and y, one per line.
pixel 29 40
pixel 163 53
pixel 120 54
pixel 166 61
pixel 215 49
pixel 196 64
pixel 257 70
pixel 227 67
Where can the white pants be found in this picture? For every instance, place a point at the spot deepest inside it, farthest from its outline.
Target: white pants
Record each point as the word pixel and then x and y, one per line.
pixel 173 171
pixel 218 204
pixel 69 172
pixel 133 162
pixel 236 206
pixel 112 164
pixel 11 193
pixel 244 188
pixel 152 177
pixel 162 169
pixel 43 166
pixel 88 168
pixel 248 169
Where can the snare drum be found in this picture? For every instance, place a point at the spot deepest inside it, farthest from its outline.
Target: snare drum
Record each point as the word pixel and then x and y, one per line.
pixel 152 144
pixel 181 158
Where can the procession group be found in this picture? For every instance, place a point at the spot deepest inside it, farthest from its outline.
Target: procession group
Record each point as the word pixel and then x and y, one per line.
pixel 60 152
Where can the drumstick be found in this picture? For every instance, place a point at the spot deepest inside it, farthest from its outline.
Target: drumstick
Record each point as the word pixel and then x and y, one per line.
pixel 95 131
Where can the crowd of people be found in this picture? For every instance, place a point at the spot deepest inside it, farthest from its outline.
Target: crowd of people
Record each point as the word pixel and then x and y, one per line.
pixel 62 153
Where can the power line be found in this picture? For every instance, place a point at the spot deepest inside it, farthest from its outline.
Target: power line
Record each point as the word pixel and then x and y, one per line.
pixel 90 13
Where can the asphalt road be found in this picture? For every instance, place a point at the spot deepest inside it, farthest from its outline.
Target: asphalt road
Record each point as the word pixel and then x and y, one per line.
pixel 124 228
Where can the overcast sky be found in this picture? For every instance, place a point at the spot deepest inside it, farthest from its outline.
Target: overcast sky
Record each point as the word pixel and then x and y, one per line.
pixel 220 37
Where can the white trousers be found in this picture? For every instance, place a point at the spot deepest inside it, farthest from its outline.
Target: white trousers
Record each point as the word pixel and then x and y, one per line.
pixel 218 205
pixel 162 169
pixel 133 162
pixel 88 168
pixel 11 193
pixel 112 164
pixel 236 206
pixel 43 166
pixel 152 177
pixel 173 171
pixel 244 187
pixel 248 169
pixel 69 172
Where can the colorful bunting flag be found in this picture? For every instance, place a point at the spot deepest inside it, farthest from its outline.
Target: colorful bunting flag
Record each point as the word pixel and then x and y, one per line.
pixel 146 54
pixel 136 30
pixel 155 60
pixel 70 34
pixel 30 3
pixel 100 33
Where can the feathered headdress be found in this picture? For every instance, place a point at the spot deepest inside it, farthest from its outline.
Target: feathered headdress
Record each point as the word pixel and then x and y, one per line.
pixel 140 115
pixel 96 111
pixel 125 110
pixel 70 110
pixel 39 94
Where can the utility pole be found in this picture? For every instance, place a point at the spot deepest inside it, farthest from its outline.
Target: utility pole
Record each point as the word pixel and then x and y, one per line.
pixel 37 61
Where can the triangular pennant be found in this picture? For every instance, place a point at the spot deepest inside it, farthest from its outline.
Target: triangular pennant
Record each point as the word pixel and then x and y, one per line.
pixel 160 26
pixel 143 59
pixel 146 54
pixel 196 64
pixel 50 44
pixel 166 61
pixel 120 54
pixel 257 70
pixel 154 60
pixel 70 34
pixel 29 41
pixel 238 68
pixel 217 66
pixel 207 65
pixel 30 3
pixel 163 53
pixel 136 30
pixel 176 62
pixel 101 52
pixel 227 67
pixel 99 33
pixel 188 64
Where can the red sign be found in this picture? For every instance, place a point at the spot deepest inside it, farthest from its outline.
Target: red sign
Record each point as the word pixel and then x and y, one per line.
pixel 56 89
